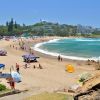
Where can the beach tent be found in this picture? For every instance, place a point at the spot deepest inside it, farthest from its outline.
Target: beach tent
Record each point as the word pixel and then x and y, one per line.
pixel 70 68
pixel 2 66
pixel 29 57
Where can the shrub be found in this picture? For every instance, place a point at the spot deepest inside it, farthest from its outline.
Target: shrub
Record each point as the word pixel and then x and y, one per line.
pixel 84 76
pixel 2 87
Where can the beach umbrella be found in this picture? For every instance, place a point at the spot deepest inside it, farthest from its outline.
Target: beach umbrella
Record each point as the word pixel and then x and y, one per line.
pixel 16 76
pixel 29 57
pixel 2 65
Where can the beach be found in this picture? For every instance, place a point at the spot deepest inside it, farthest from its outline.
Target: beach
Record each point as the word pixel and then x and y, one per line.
pixel 51 78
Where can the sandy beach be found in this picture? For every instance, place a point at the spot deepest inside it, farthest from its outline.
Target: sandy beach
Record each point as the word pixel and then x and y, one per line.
pixel 51 78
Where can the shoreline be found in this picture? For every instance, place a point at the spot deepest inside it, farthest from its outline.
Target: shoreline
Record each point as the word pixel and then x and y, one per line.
pixel 52 56
pixel 37 45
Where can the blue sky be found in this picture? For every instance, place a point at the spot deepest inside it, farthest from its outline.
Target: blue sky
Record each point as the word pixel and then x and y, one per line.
pixel 85 12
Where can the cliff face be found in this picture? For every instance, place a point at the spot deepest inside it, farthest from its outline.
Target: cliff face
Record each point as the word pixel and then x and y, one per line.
pixel 93 94
pixel 90 89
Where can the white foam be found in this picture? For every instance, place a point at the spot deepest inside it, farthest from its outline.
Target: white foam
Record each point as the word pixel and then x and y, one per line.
pixel 86 39
pixel 39 44
pixel 54 40
pixel 36 47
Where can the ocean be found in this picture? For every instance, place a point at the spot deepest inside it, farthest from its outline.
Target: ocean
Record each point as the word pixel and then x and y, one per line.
pixel 75 48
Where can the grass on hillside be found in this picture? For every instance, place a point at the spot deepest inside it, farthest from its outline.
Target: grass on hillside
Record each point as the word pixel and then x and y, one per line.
pixel 50 96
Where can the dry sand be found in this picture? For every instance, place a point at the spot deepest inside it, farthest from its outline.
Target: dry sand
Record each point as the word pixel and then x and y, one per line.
pixel 53 75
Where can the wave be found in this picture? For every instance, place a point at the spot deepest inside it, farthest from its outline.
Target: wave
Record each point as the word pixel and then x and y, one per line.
pixel 39 44
pixel 36 48
pixel 86 39
pixel 54 40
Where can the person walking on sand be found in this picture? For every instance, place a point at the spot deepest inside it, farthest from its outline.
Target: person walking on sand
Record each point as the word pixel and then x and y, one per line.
pixel 11 83
pixel 17 67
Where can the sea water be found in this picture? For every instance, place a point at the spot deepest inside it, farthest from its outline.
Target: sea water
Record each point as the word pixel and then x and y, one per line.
pixel 75 48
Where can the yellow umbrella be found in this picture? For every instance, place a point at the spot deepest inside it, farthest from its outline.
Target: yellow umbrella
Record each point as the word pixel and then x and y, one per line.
pixel 70 68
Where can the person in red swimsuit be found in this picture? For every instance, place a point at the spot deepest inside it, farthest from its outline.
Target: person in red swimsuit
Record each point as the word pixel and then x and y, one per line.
pixel 17 67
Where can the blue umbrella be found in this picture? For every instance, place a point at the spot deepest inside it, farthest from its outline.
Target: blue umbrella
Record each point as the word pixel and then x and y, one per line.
pixel 16 76
pixel 2 65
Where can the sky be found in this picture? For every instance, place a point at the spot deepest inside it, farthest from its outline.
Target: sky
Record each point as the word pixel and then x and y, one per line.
pixel 73 12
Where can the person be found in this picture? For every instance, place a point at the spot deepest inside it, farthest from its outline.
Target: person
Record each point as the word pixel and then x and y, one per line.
pixel 11 83
pixel 25 65
pixel 34 66
pixel 40 66
pixel 17 67
pixel 59 58
pixel 13 46
pixel 32 53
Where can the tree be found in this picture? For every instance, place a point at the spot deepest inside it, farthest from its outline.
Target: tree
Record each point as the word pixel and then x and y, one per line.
pixel 7 23
pixel 10 27
pixel 15 25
